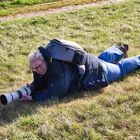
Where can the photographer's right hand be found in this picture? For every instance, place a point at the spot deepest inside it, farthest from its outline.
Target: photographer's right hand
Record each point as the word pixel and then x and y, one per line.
pixel 26 98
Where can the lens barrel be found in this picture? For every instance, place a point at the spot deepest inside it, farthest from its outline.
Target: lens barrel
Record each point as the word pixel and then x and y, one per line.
pixel 10 97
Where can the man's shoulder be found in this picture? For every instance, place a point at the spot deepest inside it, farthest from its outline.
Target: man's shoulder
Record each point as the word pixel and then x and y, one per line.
pixel 55 68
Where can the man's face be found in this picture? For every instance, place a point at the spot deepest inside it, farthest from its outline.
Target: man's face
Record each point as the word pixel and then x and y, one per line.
pixel 39 66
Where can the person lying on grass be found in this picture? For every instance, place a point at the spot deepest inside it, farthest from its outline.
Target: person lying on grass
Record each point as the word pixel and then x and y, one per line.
pixel 57 78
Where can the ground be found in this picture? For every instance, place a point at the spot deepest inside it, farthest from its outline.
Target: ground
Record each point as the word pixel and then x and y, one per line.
pixel 57 10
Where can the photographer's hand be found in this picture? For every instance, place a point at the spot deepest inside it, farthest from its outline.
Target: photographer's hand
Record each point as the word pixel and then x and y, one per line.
pixel 26 98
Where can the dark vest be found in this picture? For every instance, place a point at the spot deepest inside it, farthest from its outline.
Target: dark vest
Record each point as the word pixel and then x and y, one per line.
pixel 94 77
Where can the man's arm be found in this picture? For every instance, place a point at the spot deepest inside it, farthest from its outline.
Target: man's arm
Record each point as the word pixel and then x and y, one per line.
pixel 57 88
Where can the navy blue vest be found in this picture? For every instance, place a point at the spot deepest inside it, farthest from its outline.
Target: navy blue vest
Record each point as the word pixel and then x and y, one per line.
pixel 94 77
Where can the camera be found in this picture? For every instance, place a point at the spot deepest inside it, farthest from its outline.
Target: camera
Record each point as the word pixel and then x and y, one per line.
pixel 10 97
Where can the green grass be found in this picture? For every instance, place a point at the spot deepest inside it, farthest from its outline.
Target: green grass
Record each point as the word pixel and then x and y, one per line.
pixel 25 6
pixel 112 113
pixel 12 3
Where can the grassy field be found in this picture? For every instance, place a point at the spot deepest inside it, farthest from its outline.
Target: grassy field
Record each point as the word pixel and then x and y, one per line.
pixel 25 6
pixel 112 113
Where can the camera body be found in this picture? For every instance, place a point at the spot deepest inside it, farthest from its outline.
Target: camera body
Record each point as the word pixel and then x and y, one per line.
pixel 10 97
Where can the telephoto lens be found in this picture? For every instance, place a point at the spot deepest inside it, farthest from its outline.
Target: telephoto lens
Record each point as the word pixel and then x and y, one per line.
pixel 10 97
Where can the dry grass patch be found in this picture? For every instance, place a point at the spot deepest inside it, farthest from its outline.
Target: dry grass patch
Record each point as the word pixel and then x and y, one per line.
pixel 11 8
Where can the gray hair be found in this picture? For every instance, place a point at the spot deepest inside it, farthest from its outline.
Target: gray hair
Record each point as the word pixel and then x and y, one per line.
pixel 33 56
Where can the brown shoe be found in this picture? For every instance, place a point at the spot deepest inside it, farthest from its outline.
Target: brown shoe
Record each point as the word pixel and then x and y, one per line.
pixel 124 48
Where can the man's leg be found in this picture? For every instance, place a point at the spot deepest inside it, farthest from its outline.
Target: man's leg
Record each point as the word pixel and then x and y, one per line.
pixel 114 54
pixel 116 71
pixel 129 64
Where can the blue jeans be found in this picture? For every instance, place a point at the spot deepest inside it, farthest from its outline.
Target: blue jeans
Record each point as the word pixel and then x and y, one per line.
pixel 114 69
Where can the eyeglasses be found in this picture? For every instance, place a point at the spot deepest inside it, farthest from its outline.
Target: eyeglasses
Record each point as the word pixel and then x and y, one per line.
pixel 36 68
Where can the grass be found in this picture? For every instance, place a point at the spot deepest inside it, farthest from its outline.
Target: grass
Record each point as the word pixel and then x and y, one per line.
pixel 112 113
pixel 25 6
pixel 23 2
